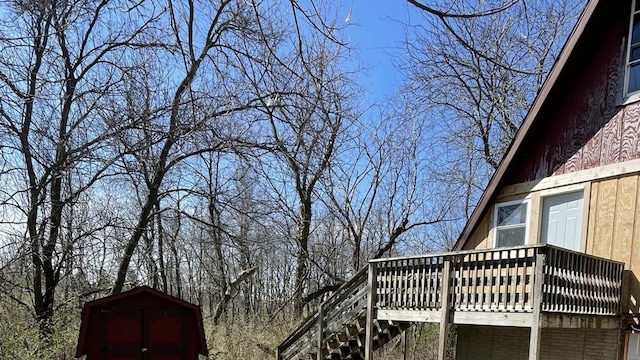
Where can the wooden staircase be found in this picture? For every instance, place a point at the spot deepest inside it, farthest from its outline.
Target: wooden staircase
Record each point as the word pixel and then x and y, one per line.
pixel 342 320
pixel 350 342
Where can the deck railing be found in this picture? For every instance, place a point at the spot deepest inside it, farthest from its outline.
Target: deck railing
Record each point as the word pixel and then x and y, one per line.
pixel 502 280
pixel 581 284
pixel 494 280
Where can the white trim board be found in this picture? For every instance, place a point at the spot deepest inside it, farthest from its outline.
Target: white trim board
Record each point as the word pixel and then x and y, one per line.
pixel 431 316
pixel 602 172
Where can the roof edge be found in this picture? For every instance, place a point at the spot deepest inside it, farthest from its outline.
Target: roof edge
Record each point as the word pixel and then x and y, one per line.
pixel 558 68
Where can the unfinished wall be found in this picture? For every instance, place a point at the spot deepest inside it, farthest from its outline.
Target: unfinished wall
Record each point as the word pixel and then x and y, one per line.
pixel 510 343
pixel 614 228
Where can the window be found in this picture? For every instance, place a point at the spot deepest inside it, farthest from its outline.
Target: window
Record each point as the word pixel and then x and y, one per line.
pixel 511 223
pixel 633 50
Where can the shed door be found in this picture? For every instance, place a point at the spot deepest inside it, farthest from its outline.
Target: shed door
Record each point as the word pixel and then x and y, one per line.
pixel 562 220
pixel 139 334
pixel 166 335
pixel 633 352
pixel 121 334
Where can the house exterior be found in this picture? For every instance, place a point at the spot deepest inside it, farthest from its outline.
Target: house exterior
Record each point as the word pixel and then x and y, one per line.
pixel 547 267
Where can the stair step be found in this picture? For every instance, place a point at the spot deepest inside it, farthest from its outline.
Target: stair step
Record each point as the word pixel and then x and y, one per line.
pixel 348 343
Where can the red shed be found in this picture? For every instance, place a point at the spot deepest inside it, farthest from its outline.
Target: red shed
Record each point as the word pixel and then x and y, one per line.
pixel 142 323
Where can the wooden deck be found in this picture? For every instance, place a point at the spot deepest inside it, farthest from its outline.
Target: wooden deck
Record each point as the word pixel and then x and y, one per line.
pixel 500 287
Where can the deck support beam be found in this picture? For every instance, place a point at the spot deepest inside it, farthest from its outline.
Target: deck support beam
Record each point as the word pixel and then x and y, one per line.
pixel 536 330
pixel 444 310
pixel 371 301
pixel 320 330
pixel 403 344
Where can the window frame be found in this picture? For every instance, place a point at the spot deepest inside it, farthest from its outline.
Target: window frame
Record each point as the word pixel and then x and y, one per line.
pixel 630 96
pixel 527 221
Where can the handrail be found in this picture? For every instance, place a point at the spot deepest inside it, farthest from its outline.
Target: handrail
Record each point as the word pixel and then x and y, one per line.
pixel 502 279
pixel 464 252
pixel 362 273
pixel 340 294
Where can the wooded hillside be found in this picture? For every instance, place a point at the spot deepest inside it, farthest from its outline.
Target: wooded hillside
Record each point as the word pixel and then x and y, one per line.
pixel 223 152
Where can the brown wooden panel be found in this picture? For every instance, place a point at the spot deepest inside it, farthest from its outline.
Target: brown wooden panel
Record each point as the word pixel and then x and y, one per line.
pixel 584 127
pixel 600 111
pixel 121 335
pixel 124 329
pixel 577 131
pixel 591 153
pixel 166 327
pixel 625 215
pixel 614 78
pixel 570 120
pixel 604 218
pixel 573 164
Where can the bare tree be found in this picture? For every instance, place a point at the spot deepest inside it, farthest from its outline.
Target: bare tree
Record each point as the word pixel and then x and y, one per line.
pixel 193 119
pixel 379 189
pixel 303 123
pixel 492 65
pixel 472 71
pixel 60 73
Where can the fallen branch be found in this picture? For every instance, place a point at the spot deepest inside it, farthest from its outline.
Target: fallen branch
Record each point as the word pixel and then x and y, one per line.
pixel 232 290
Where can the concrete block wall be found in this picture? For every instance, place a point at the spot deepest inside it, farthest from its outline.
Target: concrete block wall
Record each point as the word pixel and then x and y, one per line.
pixel 512 343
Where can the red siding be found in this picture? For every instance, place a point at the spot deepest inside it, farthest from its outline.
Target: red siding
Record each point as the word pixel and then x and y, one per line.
pixel 630 142
pixel 586 126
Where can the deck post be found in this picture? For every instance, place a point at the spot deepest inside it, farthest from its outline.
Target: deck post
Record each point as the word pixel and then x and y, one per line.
pixel 538 280
pixel 444 309
pixel 320 330
pixel 371 301
pixel 403 345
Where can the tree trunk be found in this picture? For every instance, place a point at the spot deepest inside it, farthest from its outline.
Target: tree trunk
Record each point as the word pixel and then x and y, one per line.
pixel 302 255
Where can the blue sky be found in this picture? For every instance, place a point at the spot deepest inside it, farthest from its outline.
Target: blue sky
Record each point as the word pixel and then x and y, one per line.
pixel 376 32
